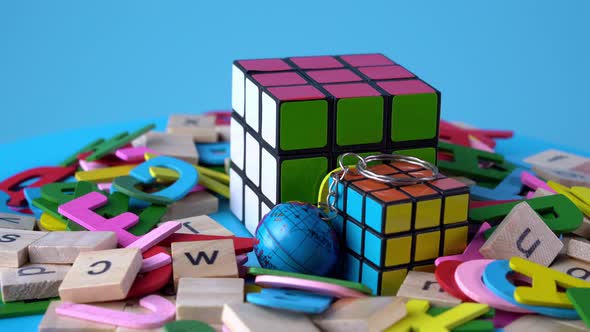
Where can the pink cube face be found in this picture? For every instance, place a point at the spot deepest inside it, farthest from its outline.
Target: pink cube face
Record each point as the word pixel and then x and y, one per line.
pixel 405 87
pixel 361 60
pixel 279 79
pixel 316 62
pixel 333 76
pixel 264 65
pixel 386 72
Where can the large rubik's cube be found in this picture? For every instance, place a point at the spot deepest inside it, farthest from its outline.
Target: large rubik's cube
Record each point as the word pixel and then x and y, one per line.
pixel 388 230
pixel 293 117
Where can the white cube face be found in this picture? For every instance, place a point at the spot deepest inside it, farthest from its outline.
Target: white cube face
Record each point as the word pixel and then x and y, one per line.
pixel 237 90
pixel 252 106
pixel 269 120
pixel 253 159
pixel 236 191
pixel 251 205
pixel 268 180
pixel 237 144
pixel 264 210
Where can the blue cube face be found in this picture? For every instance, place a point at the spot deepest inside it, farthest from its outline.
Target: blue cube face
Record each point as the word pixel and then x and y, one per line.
pixel 354 204
pixel 373 249
pixel 374 214
pixel 370 278
pixel 340 196
pixel 352 268
pixel 354 237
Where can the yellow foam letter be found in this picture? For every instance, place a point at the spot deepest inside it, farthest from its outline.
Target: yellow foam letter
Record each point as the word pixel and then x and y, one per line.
pixel 543 290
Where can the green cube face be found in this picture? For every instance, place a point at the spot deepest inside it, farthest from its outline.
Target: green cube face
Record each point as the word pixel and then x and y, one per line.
pixel 301 178
pixel 414 117
pixel 414 109
pixel 427 154
pixel 303 124
pixel 359 113
pixel 359 120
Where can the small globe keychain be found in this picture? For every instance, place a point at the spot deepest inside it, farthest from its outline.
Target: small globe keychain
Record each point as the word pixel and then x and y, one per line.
pixel 337 175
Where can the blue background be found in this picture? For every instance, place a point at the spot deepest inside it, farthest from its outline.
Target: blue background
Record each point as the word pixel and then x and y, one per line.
pixel 111 66
pixel 506 64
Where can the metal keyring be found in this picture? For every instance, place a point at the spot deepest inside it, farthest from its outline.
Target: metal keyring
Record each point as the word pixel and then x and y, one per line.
pixel 361 168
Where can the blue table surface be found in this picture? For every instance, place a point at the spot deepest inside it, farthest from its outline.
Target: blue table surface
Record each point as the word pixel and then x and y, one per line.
pixel 51 149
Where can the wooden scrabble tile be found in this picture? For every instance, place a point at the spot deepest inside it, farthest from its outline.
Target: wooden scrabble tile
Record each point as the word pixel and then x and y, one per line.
pixel 99 276
pixel 203 298
pixel 572 323
pixel 201 128
pixel 132 306
pixel 177 146
pixel 542 324
pixel 202 225
pixel 52 322
pixel 13 246
pixel 223 132
pixel 248 317
pixel 32 282
pixel 16 221
pixel 584 229
pixel 573 267
pixel 561 167
pixel 64 247
pixel 578 248
pixel 565 177
pixel 524 234
pixel 555 159
pixel 206 259
pixel 370 314
pixel 193 204
pixel 423 286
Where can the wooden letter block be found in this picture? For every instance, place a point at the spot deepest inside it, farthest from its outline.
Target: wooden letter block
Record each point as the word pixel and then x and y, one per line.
pixel 248 317
pixel 201 128
pixel 177 146
pixel 572 267
pixel 133 306
pixel 64 247
pixel 13 246
pixel 17 221
pixel 423 286
pixel 193 204
pixel 204 259
pixel 523 234
pixel 32 282
pixel 99 276
pixel 52 322
pixel 579 249
pixel 370 314
pixel 543 324
pixel 203 298
pixel 202 225
pixel 561 167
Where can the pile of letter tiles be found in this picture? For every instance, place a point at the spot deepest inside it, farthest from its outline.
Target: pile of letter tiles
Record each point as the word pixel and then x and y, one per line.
pixel 131 232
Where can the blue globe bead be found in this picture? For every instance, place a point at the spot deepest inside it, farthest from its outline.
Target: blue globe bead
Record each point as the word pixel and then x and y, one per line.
pixel 292 237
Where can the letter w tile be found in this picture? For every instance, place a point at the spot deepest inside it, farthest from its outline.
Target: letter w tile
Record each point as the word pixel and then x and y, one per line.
pixel 202 255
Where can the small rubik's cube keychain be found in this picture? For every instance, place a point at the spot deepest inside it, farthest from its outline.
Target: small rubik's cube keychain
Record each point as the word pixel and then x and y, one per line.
pixel 392 217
